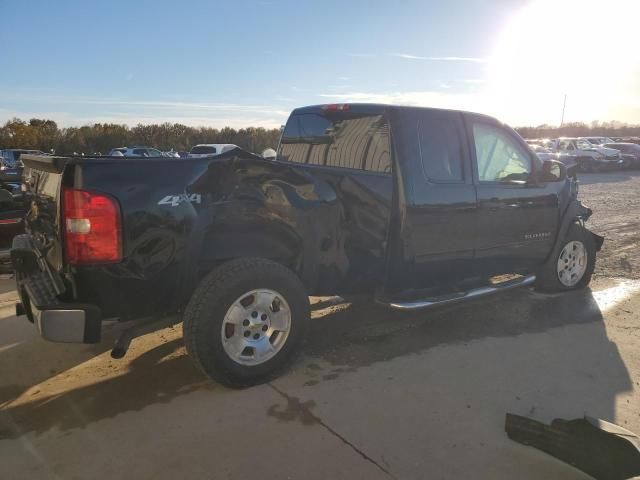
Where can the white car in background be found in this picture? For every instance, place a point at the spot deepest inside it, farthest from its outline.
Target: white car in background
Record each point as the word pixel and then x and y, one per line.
pixel 210 149
pixel 597 140
pixel 590 157
pixel 542 153
pixel 137 151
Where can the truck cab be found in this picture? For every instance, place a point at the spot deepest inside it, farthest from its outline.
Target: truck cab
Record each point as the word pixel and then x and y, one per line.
pixel 416 207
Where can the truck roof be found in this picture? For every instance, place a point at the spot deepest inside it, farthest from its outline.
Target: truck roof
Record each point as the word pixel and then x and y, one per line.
pixel 374 108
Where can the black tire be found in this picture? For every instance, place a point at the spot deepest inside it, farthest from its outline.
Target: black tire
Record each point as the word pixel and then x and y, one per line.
pixel 204 315
pixel 548 280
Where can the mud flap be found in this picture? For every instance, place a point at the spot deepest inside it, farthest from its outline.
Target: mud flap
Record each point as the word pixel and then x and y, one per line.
pixel 601 449
pixel 597 239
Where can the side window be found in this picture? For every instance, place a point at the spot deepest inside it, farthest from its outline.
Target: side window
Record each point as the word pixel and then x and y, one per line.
pixel 500 157
pixel 441 150
pixel 335 141
pixel 584 145
pixel 154 153
pixel 139 151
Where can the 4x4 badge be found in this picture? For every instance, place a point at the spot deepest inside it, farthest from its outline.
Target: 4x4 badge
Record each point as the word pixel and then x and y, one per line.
pixel 175 200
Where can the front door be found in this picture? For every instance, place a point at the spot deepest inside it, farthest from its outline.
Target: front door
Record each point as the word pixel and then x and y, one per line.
pixel 517 217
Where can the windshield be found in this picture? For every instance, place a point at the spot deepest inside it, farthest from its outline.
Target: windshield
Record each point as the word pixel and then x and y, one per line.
pixel 584 145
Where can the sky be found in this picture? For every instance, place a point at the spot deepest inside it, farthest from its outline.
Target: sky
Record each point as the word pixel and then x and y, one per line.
pixel 250 62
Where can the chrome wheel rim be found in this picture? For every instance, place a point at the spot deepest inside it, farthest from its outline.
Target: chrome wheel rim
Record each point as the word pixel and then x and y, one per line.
pixel 256 327
pixel 572 263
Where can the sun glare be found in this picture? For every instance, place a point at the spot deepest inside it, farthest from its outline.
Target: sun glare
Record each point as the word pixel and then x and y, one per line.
pixel 586 49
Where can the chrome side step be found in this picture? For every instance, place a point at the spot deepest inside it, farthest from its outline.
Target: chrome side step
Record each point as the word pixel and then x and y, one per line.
pixel 460 297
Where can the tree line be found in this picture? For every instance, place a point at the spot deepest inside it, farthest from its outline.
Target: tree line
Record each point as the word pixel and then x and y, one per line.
pixel 578 129
pixel 100 138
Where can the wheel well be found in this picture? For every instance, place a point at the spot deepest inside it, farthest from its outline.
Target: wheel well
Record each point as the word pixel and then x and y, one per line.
pixel 223 247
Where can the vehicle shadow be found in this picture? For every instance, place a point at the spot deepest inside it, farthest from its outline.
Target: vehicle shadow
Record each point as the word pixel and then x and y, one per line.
pixel 26 359
pixel 348 338
pixel 585 363
pixel 607 177
pixel 156 376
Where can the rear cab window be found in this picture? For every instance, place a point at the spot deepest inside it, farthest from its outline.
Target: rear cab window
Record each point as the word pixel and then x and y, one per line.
pixel 351 140
pixel 204 150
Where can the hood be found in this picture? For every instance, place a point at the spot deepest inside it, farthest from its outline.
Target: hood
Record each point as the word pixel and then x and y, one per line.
pixel 609 152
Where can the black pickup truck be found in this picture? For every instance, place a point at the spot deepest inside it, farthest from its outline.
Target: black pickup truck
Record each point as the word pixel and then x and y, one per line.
pixel 419 206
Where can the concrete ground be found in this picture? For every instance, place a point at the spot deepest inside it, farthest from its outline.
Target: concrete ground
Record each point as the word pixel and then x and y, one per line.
pixel 376 394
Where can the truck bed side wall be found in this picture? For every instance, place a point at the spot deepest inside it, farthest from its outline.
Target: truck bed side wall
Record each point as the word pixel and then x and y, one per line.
pixel 182 218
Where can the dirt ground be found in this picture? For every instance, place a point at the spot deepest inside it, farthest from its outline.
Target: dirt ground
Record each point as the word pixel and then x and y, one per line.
pixel 615 200
pixel 376 394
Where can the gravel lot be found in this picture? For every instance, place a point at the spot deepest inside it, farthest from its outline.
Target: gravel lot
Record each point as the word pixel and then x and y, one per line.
pixel 615 199
pixel 376 394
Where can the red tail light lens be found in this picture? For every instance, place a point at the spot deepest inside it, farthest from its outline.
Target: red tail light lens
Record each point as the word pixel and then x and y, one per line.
pixel 336 107
pixel 92 229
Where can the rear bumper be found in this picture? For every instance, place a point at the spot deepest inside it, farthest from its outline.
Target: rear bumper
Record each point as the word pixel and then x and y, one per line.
pixel 609 164
pixel 40 291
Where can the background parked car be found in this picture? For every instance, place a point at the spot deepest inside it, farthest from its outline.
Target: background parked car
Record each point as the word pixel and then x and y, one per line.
pixel 589 157
pixel 12 211
pixel 209 149
pixel 11 156
pixel 597 140
pixel 629 149
pixel 137 151
pixel 542 153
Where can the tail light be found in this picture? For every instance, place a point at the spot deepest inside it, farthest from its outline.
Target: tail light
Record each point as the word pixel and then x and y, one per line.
pixel 336 107
pixel 92 229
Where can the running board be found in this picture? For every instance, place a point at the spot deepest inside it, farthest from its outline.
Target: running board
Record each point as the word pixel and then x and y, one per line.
pixel 460 297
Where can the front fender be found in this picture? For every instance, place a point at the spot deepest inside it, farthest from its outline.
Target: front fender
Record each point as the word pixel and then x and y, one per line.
pixel 575 212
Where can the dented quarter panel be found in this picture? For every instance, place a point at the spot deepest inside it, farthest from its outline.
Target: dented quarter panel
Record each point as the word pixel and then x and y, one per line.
pixel 190 215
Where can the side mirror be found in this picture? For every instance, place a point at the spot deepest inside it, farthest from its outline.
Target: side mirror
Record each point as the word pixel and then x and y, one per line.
pixel 5 197
pixel 553 171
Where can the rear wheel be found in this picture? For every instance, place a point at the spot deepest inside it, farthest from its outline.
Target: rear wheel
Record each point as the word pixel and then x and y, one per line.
pixel 245 321
pixel 572 264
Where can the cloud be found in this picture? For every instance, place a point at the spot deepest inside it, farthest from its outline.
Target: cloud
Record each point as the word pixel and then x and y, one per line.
pixel 70 119
pixel 184 106
pixel 441 59
pixel 72 111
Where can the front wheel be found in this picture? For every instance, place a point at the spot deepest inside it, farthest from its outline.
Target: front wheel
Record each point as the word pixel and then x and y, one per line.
pixel 245 321
pixel 572 265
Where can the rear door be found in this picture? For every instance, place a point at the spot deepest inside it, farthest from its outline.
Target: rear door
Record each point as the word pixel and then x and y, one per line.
pixel 517 217
pixel 440 198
